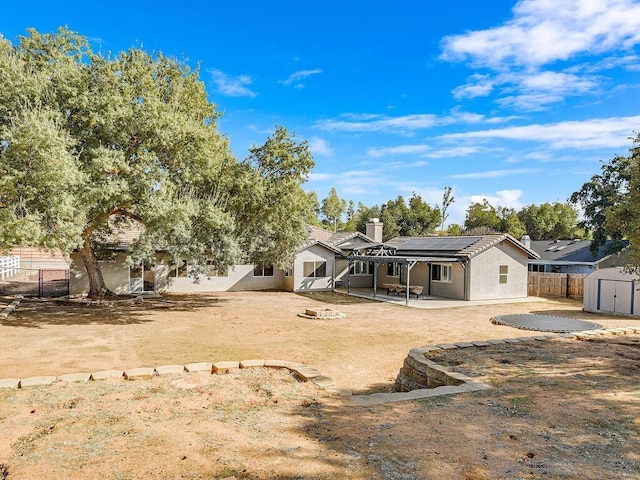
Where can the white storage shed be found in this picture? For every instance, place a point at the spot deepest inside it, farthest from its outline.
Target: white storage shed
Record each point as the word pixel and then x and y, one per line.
pixel 612 290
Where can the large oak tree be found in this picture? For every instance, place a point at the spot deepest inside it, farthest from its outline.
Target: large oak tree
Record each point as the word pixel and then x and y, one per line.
pixel 87 138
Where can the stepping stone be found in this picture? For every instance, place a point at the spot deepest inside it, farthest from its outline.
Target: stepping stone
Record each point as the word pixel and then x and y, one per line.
pixel 251 363
pixel 282 364
pixel 75 377
pixel 106 374
pixel 136 373
pixel 36 381
pixel 224 367
pixel 12 383
pixel 169 369
pixel 199 367
pixel 324 382
pixel 307 373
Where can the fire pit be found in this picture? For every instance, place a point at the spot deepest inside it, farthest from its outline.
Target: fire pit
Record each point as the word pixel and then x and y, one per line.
pixel 321 313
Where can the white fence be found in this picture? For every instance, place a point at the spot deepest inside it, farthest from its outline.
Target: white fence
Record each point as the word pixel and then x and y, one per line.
pixel 9 266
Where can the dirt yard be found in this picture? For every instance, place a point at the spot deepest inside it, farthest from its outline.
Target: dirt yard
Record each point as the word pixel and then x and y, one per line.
pixel 559 409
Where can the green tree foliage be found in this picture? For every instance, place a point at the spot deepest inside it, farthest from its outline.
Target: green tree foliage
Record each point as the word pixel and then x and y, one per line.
pixel 623 216
pixel 600 194
pixel 549 221
pixel 363 215
pixel 350 224
pixel 541 222
pixel 417 218
pixel 272 209
pixel 87 139
pixel 482 215
pixel 332 209
pixel 510 223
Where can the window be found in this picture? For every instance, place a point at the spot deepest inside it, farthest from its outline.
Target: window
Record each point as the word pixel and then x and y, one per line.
pixel 178 271
pixel 504 272
pixel 534 267
pixel 214 271
pixel 315 269
pixel 262 271
pixel 393 269
pixel 288 272
pixel 362 268
pixel 441 272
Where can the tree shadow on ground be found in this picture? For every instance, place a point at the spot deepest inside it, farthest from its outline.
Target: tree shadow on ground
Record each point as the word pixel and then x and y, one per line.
pixel 36 313
pixel 556 409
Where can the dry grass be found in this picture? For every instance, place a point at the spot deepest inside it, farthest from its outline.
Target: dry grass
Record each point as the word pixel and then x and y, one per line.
pixel 561 409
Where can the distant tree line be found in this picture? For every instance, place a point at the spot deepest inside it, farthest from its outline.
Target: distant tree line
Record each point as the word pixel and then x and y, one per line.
pixel 605 209
pixel 416 217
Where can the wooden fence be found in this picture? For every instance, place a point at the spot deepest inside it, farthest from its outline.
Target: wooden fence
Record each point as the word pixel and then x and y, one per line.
pixel 565 285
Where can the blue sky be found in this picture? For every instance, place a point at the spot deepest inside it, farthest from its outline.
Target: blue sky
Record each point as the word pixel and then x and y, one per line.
pixel 516 102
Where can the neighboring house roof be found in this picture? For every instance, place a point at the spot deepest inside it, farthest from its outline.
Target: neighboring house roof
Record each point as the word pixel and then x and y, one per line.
pixel 459 247
pixel 571 251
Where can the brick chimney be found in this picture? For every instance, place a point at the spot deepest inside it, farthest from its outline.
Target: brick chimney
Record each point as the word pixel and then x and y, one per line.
pixel 374 230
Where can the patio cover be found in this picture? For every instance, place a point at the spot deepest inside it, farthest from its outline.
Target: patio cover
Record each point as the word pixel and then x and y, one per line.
pixel 409 261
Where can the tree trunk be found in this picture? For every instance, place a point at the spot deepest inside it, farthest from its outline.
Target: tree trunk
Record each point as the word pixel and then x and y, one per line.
pixel 97 287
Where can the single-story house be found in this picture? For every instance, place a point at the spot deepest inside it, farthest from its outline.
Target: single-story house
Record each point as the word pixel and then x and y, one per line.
pixel 573 256
pixel 317 266
pixel 465 268
pixel 458 267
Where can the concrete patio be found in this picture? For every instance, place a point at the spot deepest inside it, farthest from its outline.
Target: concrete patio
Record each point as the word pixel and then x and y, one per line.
pixel 430 302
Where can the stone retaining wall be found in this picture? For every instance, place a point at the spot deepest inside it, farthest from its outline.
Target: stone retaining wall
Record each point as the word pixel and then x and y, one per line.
pixel 419 372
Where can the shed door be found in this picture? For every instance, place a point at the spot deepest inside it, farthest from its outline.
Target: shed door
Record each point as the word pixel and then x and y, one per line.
pixel 615 296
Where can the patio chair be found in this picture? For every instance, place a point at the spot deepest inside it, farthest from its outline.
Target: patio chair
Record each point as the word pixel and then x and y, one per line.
pixel 417 291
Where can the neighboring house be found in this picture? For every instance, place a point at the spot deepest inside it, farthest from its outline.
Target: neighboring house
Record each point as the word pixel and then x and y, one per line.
pixel 573 256
pixel 464 268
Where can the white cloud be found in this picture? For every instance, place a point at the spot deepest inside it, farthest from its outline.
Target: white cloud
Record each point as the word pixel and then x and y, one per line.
pixel 493 173
pixel 406 124
pixel 593 133
pixel 399 150
pixel 425 151
pixel 299 75
pixel 543 31
pixel 476 86
pixel 319 146
pixel 379 123
pixel 232 86
pixel 454 152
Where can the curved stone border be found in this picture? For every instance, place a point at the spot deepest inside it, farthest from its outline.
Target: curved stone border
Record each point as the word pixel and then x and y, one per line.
pixel 419 372
pixel 11 307
pixel 300 370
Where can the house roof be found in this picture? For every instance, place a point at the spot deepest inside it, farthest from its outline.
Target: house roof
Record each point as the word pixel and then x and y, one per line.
pixel 458 246
pixel 123 232
pixel 335 239
pixel 571 251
